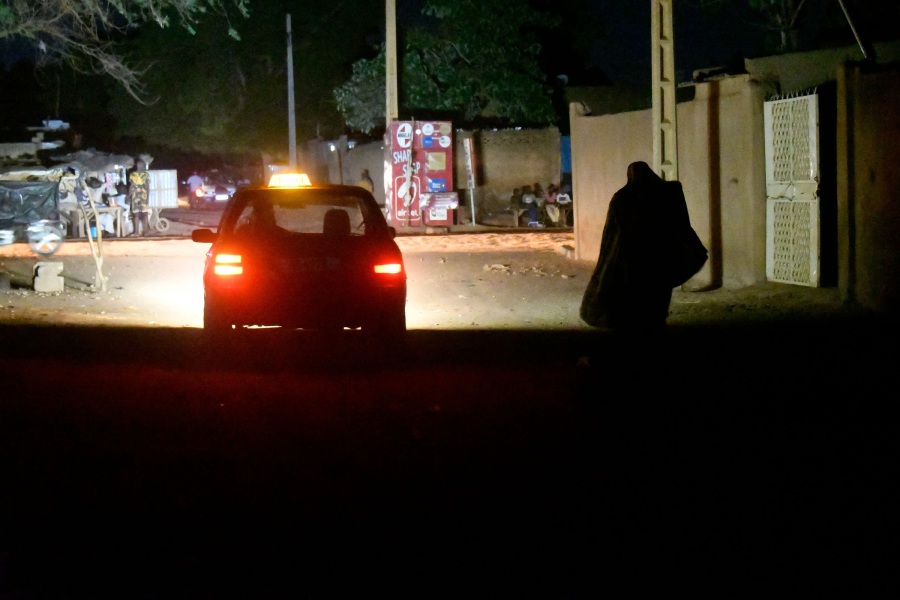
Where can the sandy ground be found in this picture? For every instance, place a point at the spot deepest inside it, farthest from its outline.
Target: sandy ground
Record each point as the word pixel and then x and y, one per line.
pixel 486 280
pixel 147 460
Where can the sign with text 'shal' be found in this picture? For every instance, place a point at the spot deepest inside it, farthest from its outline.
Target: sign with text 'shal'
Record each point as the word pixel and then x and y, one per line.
pixel 421 165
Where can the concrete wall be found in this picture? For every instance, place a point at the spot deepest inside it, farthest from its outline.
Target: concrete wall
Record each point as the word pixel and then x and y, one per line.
pixel 511 158
pixel 722 167
pixel 721 164
pixel 802 70
pixel 602 149
pixel 506 159
pixel 366 156
pixel 868 141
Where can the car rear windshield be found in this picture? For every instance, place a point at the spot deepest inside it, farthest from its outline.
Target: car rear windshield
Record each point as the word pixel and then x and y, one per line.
pixel 304 211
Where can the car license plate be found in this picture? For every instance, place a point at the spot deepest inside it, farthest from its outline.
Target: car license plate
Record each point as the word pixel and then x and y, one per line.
pixel 304 265
pixel 221 196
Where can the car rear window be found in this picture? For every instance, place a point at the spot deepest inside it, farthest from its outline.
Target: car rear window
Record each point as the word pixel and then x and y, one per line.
pixel 302 212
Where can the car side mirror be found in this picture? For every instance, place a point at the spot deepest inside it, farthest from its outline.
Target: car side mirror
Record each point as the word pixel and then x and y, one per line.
pixel 204 236
pixel 392 232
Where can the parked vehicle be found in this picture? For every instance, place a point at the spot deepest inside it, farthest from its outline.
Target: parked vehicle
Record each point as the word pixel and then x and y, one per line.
pixel 217 190
pixel 303 256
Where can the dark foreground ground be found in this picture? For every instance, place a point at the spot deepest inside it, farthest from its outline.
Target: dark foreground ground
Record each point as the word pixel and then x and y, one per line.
pixel 741 461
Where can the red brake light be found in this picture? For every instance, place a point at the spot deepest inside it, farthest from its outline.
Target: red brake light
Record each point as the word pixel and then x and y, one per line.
pixel 228 264
pixel 199 192
pixel 389 269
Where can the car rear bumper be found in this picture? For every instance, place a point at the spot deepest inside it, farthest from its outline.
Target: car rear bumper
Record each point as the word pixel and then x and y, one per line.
pixel 364 308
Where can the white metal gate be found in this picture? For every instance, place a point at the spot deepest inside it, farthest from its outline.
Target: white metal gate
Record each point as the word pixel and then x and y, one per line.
pixel 792 190
pixel 164 188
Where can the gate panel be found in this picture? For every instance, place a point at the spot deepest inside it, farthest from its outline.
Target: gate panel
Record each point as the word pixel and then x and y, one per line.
pixel 792 185
pixel 164 188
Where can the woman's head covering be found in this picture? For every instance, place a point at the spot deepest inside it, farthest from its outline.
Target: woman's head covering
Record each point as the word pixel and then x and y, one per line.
pixel 641 177
pixel 643 182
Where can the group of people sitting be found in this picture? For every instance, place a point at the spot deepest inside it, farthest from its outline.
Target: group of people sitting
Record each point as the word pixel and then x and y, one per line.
pixel 542 206
pixel 77 193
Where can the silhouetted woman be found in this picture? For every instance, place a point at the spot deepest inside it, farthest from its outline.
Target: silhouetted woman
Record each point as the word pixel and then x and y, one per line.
pixel 631 287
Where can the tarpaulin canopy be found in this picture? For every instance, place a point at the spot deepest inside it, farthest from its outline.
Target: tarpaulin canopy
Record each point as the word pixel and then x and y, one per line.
pixel 94 161
pixel 32 174
pixel 24 202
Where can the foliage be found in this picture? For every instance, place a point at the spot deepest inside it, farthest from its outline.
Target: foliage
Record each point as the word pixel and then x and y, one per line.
pixel 362 99
pixel 782 16
pixel 216 95
pixel 474 59
pixel 199 84
pixel 83 33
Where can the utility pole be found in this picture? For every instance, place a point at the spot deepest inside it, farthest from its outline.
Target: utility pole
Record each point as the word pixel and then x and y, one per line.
pixel 665 138
pixel 292 119
pixel 392 111
pixel 390 61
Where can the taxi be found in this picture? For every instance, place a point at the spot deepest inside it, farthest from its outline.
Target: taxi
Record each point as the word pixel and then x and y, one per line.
pixel 303 256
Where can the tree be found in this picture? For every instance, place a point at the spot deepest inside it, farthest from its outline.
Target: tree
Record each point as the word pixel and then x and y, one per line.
pixel 199 84
pixel 361 99
pixel 215 95
pixel 782 15
pixel 474 59
pixel 83 33
pixel 787 19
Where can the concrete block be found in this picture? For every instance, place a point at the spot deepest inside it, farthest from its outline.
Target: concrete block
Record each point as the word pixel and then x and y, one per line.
pixel 47 277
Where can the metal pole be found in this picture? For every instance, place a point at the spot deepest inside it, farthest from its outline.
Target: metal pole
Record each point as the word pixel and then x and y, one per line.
pixel 391 105
pixel 390 61
pixel 868 54
pixel 665 139
pixel 469 156
pixel 341 164
pixel 292 120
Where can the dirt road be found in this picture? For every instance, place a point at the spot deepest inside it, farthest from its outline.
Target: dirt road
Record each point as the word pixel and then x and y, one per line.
pixel 747 453
pixel 475 281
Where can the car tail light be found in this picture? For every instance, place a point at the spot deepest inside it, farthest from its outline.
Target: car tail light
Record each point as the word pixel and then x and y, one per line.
pixel 228 264
pixel 199 192
pixel 389 269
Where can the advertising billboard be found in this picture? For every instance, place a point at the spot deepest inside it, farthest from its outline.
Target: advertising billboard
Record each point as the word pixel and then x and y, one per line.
pixel 421 167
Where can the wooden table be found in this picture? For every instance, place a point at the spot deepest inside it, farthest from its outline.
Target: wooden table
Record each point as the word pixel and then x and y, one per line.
pixel 79 228
pixel 564 210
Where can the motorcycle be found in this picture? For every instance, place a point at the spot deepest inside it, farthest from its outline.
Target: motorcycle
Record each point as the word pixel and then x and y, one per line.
pixel 30 211
pixel 44 237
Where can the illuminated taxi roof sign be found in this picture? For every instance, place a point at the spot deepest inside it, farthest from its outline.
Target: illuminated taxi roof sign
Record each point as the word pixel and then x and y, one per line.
pixel 289 180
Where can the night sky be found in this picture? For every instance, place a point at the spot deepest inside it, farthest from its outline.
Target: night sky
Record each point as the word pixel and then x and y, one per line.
pixel 622 49
pixel 608 41
pixel 701 40
pixel 620 43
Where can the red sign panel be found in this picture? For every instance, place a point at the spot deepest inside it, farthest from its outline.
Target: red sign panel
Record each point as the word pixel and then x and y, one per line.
pixel 421 163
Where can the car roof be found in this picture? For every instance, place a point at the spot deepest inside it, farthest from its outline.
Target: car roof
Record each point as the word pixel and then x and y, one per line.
pixel 329 188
